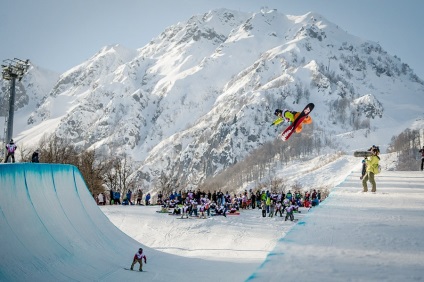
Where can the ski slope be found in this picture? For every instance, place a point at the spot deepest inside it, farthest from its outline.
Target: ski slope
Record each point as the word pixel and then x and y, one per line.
pixel 355 236
pixel 52 230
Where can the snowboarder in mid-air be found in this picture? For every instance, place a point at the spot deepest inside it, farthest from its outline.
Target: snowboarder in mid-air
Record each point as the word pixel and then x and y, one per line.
pixel 290 117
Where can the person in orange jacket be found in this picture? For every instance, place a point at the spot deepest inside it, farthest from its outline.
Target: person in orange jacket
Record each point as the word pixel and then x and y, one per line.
pixel 290 117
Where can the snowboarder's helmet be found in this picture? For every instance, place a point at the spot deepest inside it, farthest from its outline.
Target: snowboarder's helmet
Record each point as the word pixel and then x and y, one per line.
pixel 277 112
pixel 140 250
pixel 11 140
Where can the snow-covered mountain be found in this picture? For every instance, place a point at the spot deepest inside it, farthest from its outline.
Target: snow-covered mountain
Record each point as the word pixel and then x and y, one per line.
pixel 201 95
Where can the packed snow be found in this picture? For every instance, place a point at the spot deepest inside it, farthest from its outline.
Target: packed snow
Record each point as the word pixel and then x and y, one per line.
pixel 52 230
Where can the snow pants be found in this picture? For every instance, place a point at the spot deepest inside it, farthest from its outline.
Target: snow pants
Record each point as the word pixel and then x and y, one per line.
pixel 289 215
pixel 281 212
pixel 140 262
pixel 369 176
pixel 12 155
pixel 307 120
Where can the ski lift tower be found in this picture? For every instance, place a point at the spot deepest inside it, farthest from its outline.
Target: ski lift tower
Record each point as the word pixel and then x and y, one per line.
pixel 12 70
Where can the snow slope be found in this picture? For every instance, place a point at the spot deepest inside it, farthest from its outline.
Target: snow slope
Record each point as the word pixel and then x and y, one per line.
pixel 355 236
pixel 51 230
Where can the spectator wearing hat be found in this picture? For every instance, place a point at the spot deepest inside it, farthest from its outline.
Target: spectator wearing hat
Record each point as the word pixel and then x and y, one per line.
pixel 10 148
pixel 371 170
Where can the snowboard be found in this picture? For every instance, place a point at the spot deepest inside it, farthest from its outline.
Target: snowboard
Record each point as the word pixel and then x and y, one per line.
pixel 163 212
pixel 285 135
pixel 362 154
pixel 134 270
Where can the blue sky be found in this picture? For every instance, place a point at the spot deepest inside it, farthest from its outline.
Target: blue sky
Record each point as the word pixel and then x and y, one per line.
pixel 59 34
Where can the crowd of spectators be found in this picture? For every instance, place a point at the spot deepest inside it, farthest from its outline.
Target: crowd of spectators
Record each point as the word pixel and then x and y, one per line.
pixel 200 203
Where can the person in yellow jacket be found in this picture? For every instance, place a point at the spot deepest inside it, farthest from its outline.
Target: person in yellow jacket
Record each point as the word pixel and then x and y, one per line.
pixel 372 170
pixel 290 116
pixel 268 203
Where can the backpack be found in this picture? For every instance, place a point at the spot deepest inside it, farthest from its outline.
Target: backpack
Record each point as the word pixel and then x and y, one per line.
pixel 378 169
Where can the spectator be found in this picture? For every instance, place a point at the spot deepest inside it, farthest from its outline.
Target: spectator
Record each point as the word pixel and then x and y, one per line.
pixel 263 206
pixel 267 203
pixel 307 203
pixel 111 197
pixel 139 196
pixel 289 213
pixel 194 207
pixel 147 200
pixel 129 195
pixel 117 198
pixel 271 208
pixel 202 211
pixel 179 197
pixel 35 157
pixel 177 210
pixel 184 211
pixel 279 208
pixel 101 199
pixel 244 201
pixel 289 195
pixel 315 202
pixel 160 196
pixel 253 200
pixel 372 170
